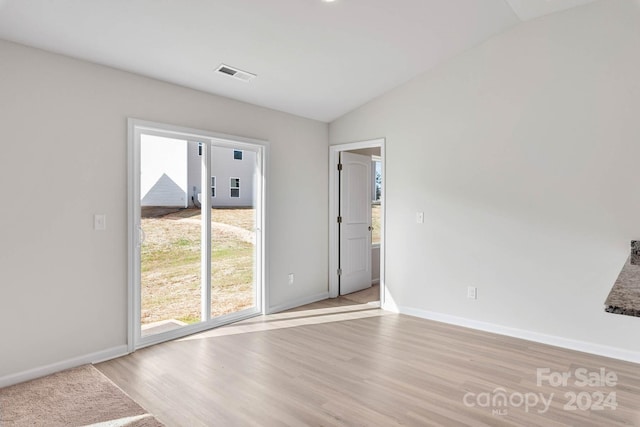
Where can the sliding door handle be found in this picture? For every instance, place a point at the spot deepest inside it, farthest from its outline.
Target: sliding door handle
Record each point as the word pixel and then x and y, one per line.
pixel 141 236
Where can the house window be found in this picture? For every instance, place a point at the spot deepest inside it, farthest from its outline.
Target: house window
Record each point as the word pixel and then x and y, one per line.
pixel 237 154
pixel 234 187
pixel 213 186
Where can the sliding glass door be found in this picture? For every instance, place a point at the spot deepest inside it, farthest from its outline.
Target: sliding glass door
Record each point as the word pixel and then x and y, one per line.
pixel 171 231
pixel 197 246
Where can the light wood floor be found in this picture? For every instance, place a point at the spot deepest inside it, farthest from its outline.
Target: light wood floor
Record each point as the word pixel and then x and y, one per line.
pixel 340 363
pixel 371 294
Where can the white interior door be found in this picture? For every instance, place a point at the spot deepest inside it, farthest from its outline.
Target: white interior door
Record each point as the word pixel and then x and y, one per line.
pixel 355 226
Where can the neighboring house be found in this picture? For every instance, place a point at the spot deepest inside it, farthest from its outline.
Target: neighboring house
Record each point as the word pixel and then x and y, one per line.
pixel 170 174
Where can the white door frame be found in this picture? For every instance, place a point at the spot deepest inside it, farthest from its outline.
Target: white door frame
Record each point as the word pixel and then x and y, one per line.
pixel 334 195
pixel 135 128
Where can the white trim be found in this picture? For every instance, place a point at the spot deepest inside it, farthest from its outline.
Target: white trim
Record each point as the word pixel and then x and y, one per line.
pixel 137 127
pixel 41 371
pixel 571 344
pixel 205 230
pixel 262 227
pixel 196 135
pixel 334 191
pixel 195 328
pixel 334 156
pixel 133 264
pixel 298 302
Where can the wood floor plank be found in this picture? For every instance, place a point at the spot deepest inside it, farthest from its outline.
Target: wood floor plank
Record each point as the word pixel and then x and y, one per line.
pixel 341 363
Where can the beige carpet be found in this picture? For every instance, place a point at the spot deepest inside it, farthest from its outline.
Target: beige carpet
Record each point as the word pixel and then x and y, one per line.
pixel 77 397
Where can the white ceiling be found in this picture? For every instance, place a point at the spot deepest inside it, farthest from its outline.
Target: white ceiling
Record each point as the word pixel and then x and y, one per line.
pixel 314 59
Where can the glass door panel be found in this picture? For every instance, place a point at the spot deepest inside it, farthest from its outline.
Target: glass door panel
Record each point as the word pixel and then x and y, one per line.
pixel 170 222
pixel 233 231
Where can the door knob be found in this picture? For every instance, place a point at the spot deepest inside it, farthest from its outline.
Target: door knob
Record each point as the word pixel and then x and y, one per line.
pixel 370 228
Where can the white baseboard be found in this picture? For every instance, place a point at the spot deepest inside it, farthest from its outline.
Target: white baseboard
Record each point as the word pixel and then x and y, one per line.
pixel 584 346
pixel 298 302
pixel 42 371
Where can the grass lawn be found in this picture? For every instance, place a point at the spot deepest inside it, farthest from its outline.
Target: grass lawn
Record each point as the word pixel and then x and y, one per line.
pixel 171 264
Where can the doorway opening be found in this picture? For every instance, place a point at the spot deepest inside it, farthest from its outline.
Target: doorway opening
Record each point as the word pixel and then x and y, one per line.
pixel 356 224
pixel 196 221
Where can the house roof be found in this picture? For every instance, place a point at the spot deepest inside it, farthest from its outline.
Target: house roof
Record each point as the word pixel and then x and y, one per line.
pixel 312 58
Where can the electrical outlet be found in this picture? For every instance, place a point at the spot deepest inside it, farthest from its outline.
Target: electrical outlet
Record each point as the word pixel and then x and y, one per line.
pixel 472 292
pixel 291 278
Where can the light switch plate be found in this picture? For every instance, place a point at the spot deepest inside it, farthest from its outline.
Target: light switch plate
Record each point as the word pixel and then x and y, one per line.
pixel 419 217
pixel 99 222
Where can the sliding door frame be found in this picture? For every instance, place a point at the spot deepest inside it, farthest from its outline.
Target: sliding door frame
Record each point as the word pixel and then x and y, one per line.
pixel 138 127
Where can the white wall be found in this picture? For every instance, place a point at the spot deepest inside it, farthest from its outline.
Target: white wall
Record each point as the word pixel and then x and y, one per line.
pixel 63 286
pixel 523 153
pixel 224 167
pixel 194 169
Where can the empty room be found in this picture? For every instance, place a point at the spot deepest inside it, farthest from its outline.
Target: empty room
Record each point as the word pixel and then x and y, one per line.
pixel 319 213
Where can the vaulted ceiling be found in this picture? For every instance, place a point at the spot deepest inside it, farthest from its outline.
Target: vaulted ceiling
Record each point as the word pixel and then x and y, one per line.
pixel 312 58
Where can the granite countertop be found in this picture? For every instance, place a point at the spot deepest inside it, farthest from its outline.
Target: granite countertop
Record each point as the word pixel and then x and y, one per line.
pixel 624 297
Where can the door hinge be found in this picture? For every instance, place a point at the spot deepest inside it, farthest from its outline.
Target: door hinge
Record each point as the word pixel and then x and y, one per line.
pixel 339 272
pixel 339 166
pixel 339 220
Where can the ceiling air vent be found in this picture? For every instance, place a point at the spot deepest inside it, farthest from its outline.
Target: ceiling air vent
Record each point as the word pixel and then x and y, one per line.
pixel 235 73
